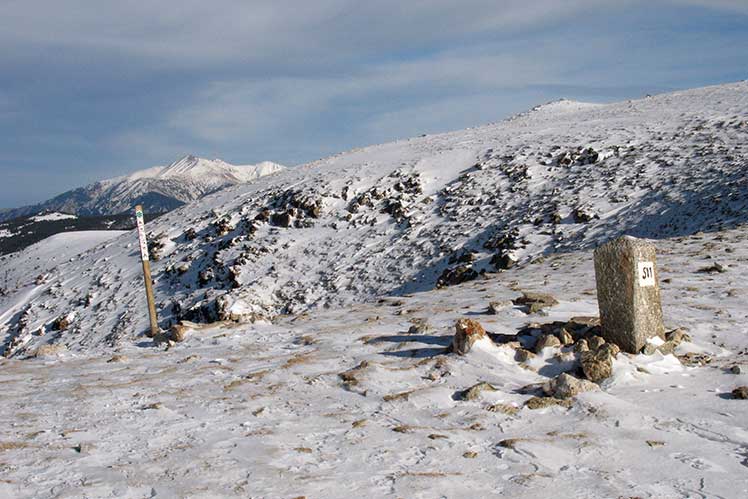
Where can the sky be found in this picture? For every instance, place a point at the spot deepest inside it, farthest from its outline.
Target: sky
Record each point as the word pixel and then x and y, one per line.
pixel 91 89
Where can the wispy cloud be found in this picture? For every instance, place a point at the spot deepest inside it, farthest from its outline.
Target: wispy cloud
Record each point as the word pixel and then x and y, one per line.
pixel 98 87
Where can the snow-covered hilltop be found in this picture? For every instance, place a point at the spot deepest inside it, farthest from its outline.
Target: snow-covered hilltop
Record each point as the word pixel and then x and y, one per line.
pixel 158 189
pixel 408 216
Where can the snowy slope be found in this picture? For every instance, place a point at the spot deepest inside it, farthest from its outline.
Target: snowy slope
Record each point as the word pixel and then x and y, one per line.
pixel 346 403
pixel 159 188
pixel 390 218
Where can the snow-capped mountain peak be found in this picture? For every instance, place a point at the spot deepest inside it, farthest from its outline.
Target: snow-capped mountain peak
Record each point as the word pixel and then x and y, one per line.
pixel 159 188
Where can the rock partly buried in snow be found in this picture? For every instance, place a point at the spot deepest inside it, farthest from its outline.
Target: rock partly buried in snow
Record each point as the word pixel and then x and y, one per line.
pixel 543 402
pixel 535 302
pixel 50 351
pixel 419 326
pixel 177 333
pixel 567 386
pixel 597 365
pixel 740 392
pixel 677 336
pixel 628 292
pixel 456 275
pixel 495 307
pixel 523 355
pixel 581 345
pixel 467 332
pixel 474 391
pixel 547 341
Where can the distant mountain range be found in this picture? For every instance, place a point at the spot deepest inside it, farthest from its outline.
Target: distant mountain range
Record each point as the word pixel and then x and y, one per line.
pixel 158 189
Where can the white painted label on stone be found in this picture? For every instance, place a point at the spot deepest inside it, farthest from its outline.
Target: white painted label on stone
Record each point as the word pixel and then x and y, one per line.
pixel 141 236
pixel 646 274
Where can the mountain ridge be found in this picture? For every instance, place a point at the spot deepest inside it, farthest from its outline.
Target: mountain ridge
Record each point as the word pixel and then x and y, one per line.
pixel 158 189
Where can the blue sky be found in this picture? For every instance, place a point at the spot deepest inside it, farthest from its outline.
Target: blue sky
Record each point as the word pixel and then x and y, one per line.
pixel 91 89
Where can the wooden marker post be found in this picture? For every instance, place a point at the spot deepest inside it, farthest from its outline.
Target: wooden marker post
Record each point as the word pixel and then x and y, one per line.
pixel 146 271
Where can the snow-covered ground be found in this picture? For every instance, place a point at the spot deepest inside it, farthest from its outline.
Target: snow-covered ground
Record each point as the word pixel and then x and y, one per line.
pixel 262 410
pixel 326 394
pixel 50 217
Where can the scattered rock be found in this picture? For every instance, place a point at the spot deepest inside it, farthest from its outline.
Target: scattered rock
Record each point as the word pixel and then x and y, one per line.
pixel 581 346
pixel 177 333
pixel 523 355
pixel 474 391
pixel 535 302
pixel 677 336
pixel 566 386
pixel 470 454
pixel 507 409
pixel 50 351
pixel 397 396
pixel 611 349
pixel 419 326
pixel 467 332
pixel 583 215
pixel 510 443
pixel 543 402
pixel 282 219
pixel 117 358
pixel 495 307
pixel 565 337
pixel 665 348
pixel 736 369
pixel 61 323
pixel 456 275
pixel 503 261
pixel 694 359
pixel 740 392
pixel 547 341
pixel 714 268
pixel 597 365
pixel 655 443
pixel 595 342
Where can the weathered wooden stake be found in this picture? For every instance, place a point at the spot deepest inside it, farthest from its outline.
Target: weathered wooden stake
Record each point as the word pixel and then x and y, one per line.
pixel 628 292
pixel 146 271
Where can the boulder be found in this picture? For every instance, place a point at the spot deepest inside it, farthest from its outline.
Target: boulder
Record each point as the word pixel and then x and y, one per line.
pixel 178 332
pixel 503 261
pixel 595 342
pixel 467 332
pixel 565 337
pixel 566 386
pixel 545 341
pixel 282 219
pixel 597 365
pixel 581 346
pixel 456 275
